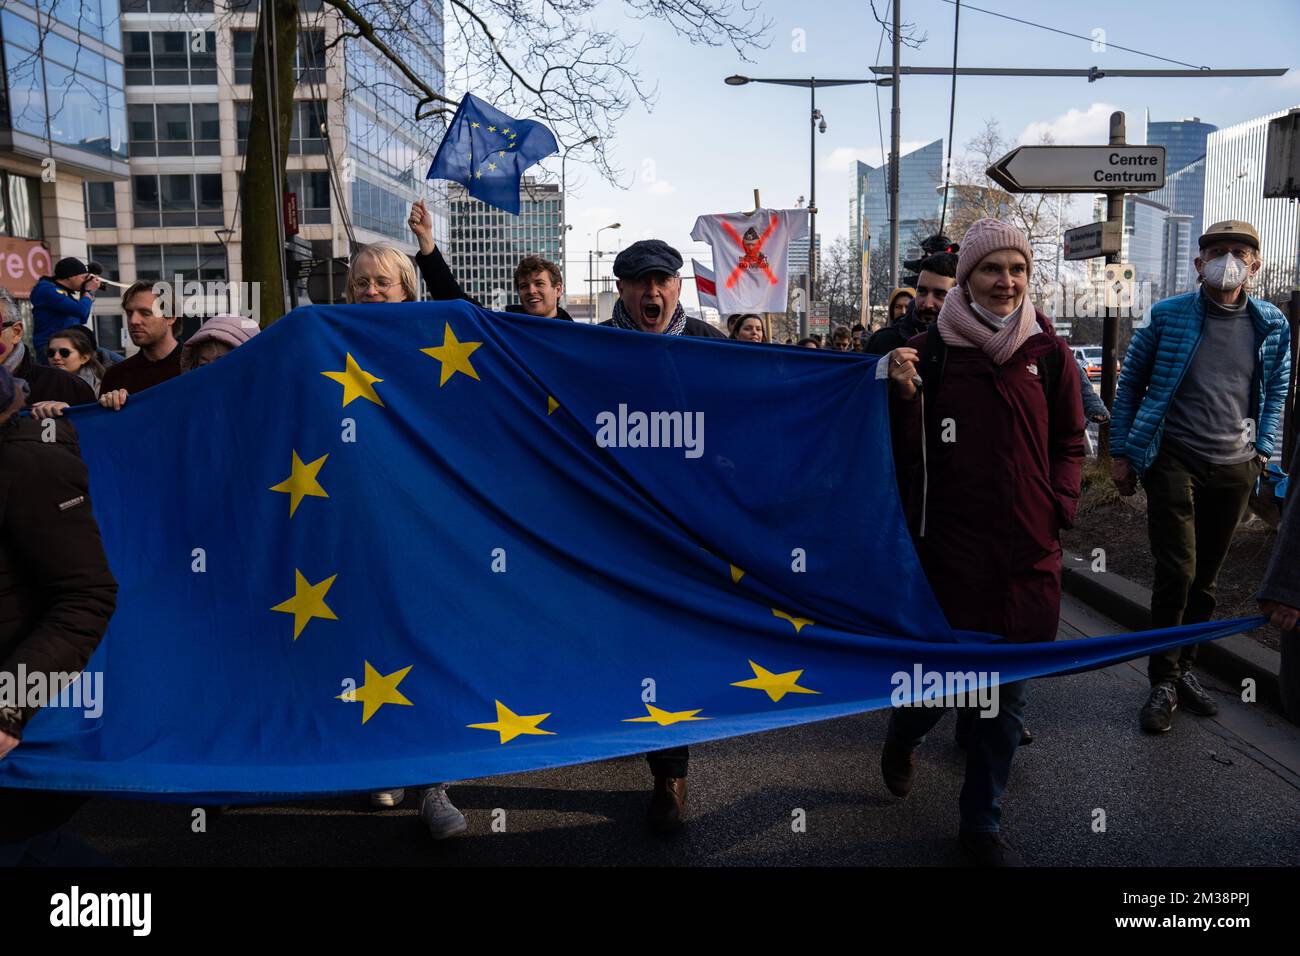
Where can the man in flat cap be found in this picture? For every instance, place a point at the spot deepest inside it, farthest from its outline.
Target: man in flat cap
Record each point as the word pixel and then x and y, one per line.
pixel 649 290
pixel 60 301
pixel 1197 413
pixel 648 293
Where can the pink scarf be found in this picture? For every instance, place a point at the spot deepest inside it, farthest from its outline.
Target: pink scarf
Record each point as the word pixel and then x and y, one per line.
pixel 960 326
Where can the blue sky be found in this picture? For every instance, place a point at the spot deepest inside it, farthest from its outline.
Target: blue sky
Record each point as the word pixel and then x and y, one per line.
pixel 706 146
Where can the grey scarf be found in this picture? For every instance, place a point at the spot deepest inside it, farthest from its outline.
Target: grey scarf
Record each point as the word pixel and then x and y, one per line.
pixel 621 319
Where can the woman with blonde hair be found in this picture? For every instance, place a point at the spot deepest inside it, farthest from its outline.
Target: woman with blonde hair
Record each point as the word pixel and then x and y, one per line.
pixel 381 273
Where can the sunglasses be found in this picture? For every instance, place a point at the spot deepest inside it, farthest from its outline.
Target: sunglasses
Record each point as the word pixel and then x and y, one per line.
pixel 61 353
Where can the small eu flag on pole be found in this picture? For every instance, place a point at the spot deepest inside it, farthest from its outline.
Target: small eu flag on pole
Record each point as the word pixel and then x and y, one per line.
pixel 487 151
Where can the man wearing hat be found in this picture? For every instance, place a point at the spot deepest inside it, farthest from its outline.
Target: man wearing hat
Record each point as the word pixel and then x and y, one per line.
pixel 649 290
pixel 60 301
pixel 648 293
pixel 1196 416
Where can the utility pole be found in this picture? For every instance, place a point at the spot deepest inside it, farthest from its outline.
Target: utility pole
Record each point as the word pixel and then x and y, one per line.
pixel 1110 325
pixel 895 125
pixel 813 117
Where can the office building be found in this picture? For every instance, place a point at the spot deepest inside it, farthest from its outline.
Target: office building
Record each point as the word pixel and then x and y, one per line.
pixel 62 122
pixel 1234 189
pixel 920 173
pixel 487 243
pixel 188 71
pixel 1183 140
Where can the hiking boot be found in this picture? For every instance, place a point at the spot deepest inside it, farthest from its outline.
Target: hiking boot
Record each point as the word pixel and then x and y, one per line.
pixel 897 766
pixel 1195 697
pixel 988 849
pixel 440 814
pixel 667 805
pixel 1158 712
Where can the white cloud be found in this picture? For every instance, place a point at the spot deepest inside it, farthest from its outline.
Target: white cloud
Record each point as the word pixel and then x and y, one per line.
pixel 1076 127
pixel 842 158
pixel 661 187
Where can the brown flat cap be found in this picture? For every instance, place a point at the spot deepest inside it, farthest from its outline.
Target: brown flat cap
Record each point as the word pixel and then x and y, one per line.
pixel 1229 230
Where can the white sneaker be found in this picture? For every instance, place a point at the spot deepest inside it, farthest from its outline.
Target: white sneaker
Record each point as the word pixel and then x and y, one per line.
pixel 387 798
pixel 439 814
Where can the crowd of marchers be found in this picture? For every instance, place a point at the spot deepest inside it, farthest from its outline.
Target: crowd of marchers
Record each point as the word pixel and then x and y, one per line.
pixel 988 411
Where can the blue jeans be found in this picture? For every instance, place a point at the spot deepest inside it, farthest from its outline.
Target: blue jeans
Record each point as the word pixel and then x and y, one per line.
pixel 993 743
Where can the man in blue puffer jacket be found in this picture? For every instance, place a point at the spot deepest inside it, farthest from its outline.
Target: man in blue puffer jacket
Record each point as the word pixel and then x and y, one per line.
pixel 1197 412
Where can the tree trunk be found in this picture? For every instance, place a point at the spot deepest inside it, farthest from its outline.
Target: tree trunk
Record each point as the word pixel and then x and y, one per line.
pixel 261 205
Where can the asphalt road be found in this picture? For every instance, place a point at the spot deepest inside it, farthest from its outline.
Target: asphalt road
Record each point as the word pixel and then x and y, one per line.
pixel 1220 791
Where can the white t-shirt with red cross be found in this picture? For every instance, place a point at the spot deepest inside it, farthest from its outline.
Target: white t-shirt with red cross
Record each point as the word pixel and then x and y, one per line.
pixel 751 258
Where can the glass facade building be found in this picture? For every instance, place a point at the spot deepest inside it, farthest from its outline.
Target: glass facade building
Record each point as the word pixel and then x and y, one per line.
pixel 1183 140
pixel 487 243
pixel 1234 189
pixel 920 173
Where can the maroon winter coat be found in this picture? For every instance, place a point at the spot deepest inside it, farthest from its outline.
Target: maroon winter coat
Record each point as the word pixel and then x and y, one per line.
pixel 1000 491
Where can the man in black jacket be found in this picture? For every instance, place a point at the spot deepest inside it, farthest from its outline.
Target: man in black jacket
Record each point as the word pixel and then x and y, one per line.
pixel 937 275
pixel 538 282
pixel 56 597
pixel 44 382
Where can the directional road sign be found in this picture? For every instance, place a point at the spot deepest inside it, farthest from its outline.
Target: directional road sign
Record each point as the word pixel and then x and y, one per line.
pixel 1080 169
pixel 1094 239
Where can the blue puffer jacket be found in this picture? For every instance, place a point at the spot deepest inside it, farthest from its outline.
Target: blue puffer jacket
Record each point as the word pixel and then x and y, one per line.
pixel 1158 358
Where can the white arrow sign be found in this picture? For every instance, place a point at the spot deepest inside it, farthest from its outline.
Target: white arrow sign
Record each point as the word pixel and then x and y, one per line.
pixel 1080 169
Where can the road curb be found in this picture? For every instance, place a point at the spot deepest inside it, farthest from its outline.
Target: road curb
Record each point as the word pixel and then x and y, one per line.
pixel 1233 658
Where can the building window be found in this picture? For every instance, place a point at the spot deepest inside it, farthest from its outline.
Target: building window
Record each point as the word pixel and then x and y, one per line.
pixel 177 199
pixel 313 189
pixel 101 206
pixel 205 262
pixel 305 139
pixel 166 6
pixel 106 256
pixel 170 58
pixel 20 207
pixel 174 129
pixel 309 60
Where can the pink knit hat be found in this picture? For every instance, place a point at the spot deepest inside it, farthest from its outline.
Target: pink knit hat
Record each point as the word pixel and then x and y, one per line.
pixel 233 330
pixel 985 236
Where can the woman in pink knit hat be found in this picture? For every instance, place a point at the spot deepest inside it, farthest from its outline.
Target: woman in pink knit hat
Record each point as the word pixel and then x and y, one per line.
pixel 988 441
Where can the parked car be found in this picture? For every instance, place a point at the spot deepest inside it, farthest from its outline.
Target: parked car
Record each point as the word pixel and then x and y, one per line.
pixel 1089 356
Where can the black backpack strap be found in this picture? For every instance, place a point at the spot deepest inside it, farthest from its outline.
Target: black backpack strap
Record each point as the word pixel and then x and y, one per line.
pixel 1050 374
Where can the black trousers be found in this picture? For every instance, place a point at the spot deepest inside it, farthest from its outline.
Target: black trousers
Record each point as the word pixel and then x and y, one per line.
pixel 672 762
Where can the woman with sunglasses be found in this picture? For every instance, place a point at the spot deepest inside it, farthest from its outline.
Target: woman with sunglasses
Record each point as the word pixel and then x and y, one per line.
pixel 73 350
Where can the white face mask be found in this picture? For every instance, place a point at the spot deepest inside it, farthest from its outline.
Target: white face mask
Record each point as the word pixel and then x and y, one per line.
pixel 1225 273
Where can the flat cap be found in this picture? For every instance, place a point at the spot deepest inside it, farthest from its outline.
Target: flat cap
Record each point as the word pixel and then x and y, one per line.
pixel 647 255
pixel 1229 230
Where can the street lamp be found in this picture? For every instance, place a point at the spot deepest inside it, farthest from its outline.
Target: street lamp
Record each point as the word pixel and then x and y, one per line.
pixel 616 225
pixel 817 123
pixel 564 205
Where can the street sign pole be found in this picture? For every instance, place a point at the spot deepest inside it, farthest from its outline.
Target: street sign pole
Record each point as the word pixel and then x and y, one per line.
pixel 1110 325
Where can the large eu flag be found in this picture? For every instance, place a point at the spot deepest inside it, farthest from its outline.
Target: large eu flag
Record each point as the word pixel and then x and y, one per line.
pixel 488 152
pixel 383 545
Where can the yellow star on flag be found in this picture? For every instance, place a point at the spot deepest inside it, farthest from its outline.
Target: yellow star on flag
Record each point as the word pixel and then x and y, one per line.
pixel 356 382
pixel 506 130
pixel 664 717
pixel 510 725
pixel 776 685
pixel 302 482
pixel 492 129
pixel 512 145
pixel 501 152
pixel 454 356
pixel 308 601
pixel 512 136
pixel 736 574
pixel 551 404
pixel 798 622
pixel 475 124
pixel 378 689
pixel 492 165
pixel 478 174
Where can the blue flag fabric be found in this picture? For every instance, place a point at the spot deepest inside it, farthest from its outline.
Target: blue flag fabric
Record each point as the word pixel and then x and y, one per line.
pixel 384 545
pixel 488 152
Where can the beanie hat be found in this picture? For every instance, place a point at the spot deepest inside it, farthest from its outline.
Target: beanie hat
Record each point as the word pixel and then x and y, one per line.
pixel 986 236
pixel 69 267
pixel 233 330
